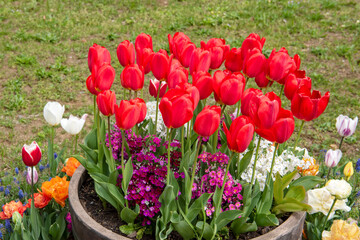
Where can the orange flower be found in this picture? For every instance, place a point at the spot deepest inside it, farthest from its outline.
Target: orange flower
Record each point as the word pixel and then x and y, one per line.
pixel 10 208
pixel 71 165
pixel 57 188
pixel 40 200
pixel 310 167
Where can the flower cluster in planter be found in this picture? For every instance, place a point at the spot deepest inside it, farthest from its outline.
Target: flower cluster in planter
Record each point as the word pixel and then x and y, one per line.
pixel 187 162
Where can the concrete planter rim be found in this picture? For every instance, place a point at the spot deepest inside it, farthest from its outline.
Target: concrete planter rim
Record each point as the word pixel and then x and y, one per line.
pixel 83 222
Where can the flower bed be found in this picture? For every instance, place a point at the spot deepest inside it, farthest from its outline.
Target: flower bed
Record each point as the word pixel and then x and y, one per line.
pixel 181 166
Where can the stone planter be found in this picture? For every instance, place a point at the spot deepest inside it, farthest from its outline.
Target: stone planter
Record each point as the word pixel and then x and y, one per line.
pixel 84 227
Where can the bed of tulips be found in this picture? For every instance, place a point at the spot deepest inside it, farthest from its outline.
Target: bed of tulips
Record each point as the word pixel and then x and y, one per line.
pixel 202 177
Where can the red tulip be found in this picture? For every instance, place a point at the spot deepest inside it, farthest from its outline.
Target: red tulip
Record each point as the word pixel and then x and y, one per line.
pixel 31 154
pixel 308 106
pixel 280 65
pixel 262 81
pixel 203 82
pixel 177 76
pixel 103 76
pixel 142 106
pixel 265 110
pixel 250 101
pixel 233 60
pixel 281 130
pixel 294 81
pixel 90 84
pixel 127 114
pixel 106 102
pixel 254 63
pixel 240 134
pixel 228 87
pixel 98 55
pixel 144 58
pixel 200 61
pixel 176 108
pixel 182 48
pixel 207 121
pixel 251 42
pixel 132 77
pixel 160 64
pixel 218 51
pixel 143 41
pixel 126 53
pixel 192 91
pixel 154 88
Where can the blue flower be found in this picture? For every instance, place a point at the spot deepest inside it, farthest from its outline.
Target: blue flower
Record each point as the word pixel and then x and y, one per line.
pixel 1 225
pixel 8 226
pixel 357 168
pixel 358 194
pixel 55 155
pixel 41 168
pixel 14 179
pixel 9 187
pixel 21 194
pixel 1 188
pixel 16 170
pixel 6 173
pixel 49 178
pixel 47 165
pixel 7 191
pixel 1 235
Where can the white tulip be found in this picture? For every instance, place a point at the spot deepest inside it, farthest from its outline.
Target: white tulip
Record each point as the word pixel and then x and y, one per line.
pixel 341 189
pixel 28 175
pixel 73 125
pixel 332 157
pixel 345 125
pixel 53 113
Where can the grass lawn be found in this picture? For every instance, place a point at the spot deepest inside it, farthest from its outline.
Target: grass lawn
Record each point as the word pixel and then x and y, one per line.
pixel 44 46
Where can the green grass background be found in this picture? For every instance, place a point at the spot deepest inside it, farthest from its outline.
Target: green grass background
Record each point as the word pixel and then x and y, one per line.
pixel 44 45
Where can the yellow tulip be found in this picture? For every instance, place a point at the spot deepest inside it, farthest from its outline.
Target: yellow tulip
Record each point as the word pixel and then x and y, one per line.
pixel 341 230
pixel 348 170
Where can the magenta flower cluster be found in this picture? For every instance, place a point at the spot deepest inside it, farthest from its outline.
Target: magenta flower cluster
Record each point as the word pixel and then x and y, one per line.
pixel 150 168
pixel 214 177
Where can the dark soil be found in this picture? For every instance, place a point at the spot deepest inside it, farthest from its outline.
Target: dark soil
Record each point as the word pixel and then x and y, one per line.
pixel 109 218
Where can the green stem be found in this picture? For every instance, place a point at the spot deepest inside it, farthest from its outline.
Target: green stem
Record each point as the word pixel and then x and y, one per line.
pixel 327 216
pixel 94 110
pixel 129 94
pixel 142 93
pixel 168 151
pixel 238 107
pixel 32 189
pixel 215 135
pixel 124 94
pixel 157 110
pixel 76 138
pixel 298 136
pixel 281 90
pixel 135 94
pixel 272 162
pixel 223 186
pixel 194 170
pixel 122 160
pixel 255 161
pixel 341 141
pixel 112 167
pixel 182 143
pixel 98 126
pixel 328 175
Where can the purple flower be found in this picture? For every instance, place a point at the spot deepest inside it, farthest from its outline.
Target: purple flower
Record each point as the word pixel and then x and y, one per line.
pixel 1 188
pixel 68 219
pixel 8 226
pixel 7 191
pixel 16 170
pixel 357 168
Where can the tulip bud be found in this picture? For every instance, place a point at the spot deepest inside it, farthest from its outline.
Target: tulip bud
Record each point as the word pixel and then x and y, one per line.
pixel 207 121
pixel 126 53
pixel 332 157
pixel 200 61
pixel 28 175
pixel 203 82
pixel 73 125
pixel 53 112
pixel 233 61
pixel 106 101
pixel 254 63
pixel 132 77
pixel 154 88
pixel 90 84
pixel 251 42
pixel 160 64
pixel 143 41
pixel 280 65
pixel 240 134
pixel 177 77
pixel 348 170
pixel 345 125
pixel 31 154
pixel 218 51
pixel 98 55
pixel 144 58
pixel 142 106
pixel 127 114
pixel 228 87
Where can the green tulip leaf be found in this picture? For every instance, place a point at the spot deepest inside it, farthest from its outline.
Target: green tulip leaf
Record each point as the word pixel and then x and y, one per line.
pixel 208 230
pixel 245 161
pixel 102 190
pixel 197 206
pixel 290 205
pixel 296 192
pixel 128 215
pixel 184 230
pixel 264 220
pixel 116 194
pixel 127 174
pixel 308 182
pixel 226 217
pixel 278 190
pixel 240 225
pixel 91 139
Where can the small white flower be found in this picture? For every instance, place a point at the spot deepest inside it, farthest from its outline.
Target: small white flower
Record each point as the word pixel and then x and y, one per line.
pixel 53 113
pixel 73 125
pixel 28 175
pixel 341 189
